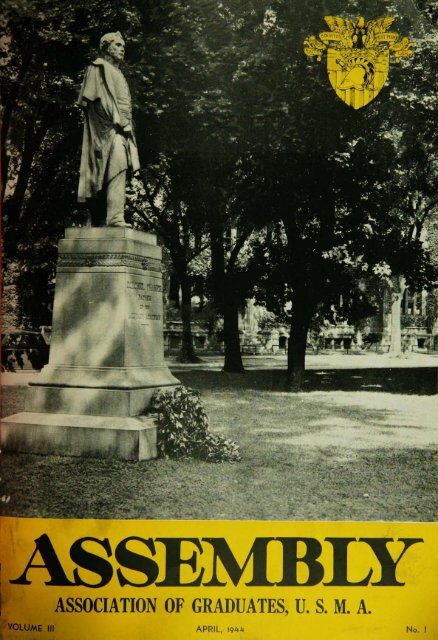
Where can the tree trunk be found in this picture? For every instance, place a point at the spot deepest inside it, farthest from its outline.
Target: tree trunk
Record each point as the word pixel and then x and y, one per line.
pixel 399 286
pixel 302 311
pixel 9 109
pixel 233 357
pixel 13 206
pixel 187 349
pixel 174 285
pixel 217 262
pixel 225 301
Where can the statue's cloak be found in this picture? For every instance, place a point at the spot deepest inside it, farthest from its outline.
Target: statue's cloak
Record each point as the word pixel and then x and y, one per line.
pixel 105 152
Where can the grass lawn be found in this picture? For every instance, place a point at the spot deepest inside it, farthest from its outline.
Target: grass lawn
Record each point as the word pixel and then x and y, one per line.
pixel 319 455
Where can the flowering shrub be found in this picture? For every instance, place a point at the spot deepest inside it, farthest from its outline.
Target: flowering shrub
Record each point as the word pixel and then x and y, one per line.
pixel 183 428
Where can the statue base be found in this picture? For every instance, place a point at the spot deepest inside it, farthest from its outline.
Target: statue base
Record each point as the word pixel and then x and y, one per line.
pixel 81 435
pixel 106 354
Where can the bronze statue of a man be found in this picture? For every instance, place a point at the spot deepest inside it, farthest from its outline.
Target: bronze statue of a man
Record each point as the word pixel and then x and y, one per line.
pixel 109 148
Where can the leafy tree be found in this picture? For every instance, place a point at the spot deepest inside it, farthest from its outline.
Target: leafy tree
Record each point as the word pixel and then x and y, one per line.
pixel 398 190
pixel 253 135
pixel 158 205
pixel 191 120
pixel 298 164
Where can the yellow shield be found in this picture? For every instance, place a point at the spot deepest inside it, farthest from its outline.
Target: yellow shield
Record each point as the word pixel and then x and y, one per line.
pixel 357 75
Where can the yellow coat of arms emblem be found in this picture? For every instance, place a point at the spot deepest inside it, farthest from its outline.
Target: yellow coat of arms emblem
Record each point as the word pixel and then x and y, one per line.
pixel 358 56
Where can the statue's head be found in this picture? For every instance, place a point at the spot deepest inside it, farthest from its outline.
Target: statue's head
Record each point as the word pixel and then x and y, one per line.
pixel 112 46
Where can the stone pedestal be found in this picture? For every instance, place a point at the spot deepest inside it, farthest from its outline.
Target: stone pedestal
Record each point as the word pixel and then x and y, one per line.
pixel 106 355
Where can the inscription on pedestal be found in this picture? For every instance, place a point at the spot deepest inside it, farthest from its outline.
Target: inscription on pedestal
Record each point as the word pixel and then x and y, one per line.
pixel 144 307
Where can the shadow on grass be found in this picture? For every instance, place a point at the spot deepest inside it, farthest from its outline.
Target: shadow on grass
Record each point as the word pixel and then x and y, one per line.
pixel 412 380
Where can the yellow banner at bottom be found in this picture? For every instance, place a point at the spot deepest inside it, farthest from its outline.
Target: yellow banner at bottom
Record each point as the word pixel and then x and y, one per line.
pixel 192 580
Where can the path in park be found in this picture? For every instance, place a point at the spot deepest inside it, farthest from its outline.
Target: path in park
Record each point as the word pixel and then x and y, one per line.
pixel 326 360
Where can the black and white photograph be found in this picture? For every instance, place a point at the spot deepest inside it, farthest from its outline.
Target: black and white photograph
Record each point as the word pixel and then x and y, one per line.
pixel 220 286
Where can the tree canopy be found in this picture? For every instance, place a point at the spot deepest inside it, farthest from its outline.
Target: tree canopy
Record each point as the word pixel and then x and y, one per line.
pixel 245 130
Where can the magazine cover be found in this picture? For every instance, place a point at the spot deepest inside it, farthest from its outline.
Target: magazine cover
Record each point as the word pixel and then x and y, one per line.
pixel 219 320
